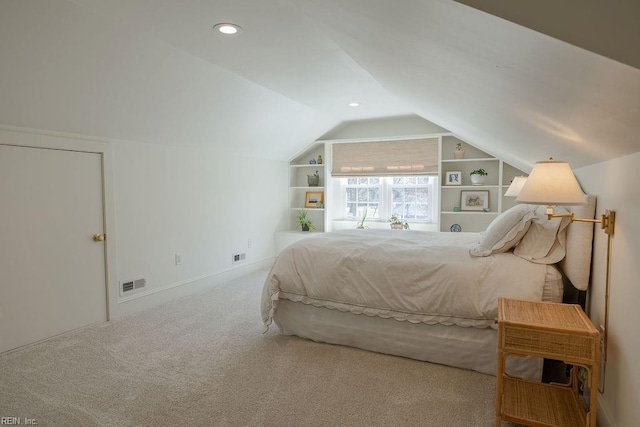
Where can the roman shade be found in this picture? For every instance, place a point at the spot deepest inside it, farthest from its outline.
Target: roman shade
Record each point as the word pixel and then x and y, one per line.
pixel 399 157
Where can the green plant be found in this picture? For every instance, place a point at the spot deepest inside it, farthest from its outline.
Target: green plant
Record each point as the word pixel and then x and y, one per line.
pixel 480 172
pixel 395 219
pixel 364 216
pixel 305 221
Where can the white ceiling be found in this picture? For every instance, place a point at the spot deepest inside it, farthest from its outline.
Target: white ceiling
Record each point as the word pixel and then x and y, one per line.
pixel 154 71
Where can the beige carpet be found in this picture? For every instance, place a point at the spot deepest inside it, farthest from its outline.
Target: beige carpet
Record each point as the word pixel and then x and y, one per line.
pixel 203 360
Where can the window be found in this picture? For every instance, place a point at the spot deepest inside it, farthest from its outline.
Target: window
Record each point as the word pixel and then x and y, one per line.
pixel 362 195
pixel 409 197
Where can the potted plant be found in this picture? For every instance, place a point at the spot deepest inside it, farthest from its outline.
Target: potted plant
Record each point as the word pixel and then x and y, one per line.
pixel 398 223
pixel 305 221
pixel 478 176
pixel 459 152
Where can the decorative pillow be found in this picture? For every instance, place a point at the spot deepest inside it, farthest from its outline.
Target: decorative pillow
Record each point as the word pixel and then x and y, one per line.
pixel 505 231
pixel 576 264
pixel 545 241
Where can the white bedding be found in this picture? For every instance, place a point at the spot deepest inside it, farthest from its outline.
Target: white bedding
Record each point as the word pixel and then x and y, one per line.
pixel 419 277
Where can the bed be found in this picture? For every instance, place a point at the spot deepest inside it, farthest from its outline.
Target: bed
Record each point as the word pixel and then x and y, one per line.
pixel 425 295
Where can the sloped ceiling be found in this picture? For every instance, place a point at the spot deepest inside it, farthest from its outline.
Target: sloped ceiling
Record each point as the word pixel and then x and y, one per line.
pixel 608 28
pixel 154 71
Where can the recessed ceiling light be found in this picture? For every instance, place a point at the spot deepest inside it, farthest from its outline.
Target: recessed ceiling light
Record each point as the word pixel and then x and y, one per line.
pixel 227 28
pixel 354 104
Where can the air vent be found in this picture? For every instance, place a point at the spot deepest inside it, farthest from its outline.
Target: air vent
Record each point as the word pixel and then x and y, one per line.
pixel 132 285
pixel 236 258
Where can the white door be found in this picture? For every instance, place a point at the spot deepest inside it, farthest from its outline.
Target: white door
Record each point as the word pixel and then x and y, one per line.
pixel 52 272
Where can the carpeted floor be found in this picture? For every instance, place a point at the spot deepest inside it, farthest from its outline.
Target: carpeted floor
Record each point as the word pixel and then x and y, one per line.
pixel 203 360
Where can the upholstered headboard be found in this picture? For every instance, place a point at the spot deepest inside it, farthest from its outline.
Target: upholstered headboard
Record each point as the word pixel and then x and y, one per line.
pixel 576 264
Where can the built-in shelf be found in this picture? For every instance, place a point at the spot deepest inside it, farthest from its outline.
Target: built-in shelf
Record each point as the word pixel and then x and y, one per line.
pixel 307 188
pixel 467 187
pixel 299 171
pixel 498 179
pixel 469 160
pixel 468 213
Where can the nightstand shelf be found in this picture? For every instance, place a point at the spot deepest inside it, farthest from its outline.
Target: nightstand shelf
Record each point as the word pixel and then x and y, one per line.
pixel 547 330
pixel 547 404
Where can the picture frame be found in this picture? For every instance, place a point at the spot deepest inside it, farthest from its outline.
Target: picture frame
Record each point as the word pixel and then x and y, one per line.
pixel 453 178
pixel 474 200
pixel 312 198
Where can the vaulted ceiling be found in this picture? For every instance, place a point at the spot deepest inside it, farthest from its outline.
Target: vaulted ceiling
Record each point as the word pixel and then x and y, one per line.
pixel 155 71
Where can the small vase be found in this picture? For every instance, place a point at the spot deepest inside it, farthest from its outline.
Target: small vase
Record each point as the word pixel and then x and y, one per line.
pixel 305 228
pixel 396 226
pixel 459 153
pixel 477 179
pixel 313 180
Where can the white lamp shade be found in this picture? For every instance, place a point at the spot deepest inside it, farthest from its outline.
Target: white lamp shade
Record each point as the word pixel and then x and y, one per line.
pixel 551 183
pixel 516 186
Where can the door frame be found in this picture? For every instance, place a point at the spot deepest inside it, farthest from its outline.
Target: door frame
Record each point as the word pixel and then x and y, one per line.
pixel 22 137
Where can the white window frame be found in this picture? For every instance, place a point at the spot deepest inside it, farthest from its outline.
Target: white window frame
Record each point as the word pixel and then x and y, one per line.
pixel 386 199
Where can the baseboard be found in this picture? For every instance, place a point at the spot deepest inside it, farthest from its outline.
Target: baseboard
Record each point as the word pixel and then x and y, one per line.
pixel 604 418
pixel 144 300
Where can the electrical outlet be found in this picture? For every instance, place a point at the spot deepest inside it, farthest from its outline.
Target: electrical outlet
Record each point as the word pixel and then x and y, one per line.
pixel 236 258
pixel 178 259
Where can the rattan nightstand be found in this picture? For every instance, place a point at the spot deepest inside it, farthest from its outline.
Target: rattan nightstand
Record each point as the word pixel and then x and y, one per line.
pixel 547 330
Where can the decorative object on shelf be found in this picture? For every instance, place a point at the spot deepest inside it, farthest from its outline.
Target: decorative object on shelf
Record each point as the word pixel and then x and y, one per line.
pixel 313 180
pixel 474 200
pixel 553 183
pixel 312 198
pixel 478 176
pixel 456 208
pixel 361 222
pixel 459 153
pixel 453 178
pixel 398 223
pixel 305 221
pixel 319 159
pixel 456 228
pixel 312 161
pixel 319 205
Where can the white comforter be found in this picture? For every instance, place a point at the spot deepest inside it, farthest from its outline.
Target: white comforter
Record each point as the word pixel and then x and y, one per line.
pixel 406 275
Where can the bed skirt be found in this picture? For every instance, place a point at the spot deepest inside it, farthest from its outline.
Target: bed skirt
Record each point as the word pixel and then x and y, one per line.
pixel 467 348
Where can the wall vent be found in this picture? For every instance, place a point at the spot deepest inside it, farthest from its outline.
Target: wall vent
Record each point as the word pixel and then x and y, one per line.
pixel 236 258
pixel 132 285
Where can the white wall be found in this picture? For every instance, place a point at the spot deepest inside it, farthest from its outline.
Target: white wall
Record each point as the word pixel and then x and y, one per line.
pixel 201 203
pixel 616 183
pixel 387 127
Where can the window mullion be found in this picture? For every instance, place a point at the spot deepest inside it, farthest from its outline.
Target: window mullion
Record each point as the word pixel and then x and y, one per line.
pixel 386 211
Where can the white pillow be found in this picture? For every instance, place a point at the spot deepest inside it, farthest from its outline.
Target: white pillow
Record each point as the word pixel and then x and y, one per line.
pixel 576 263
pixel 505 231
pixel 545 241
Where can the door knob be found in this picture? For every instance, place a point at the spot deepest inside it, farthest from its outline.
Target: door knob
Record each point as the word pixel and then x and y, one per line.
pixel 99 237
